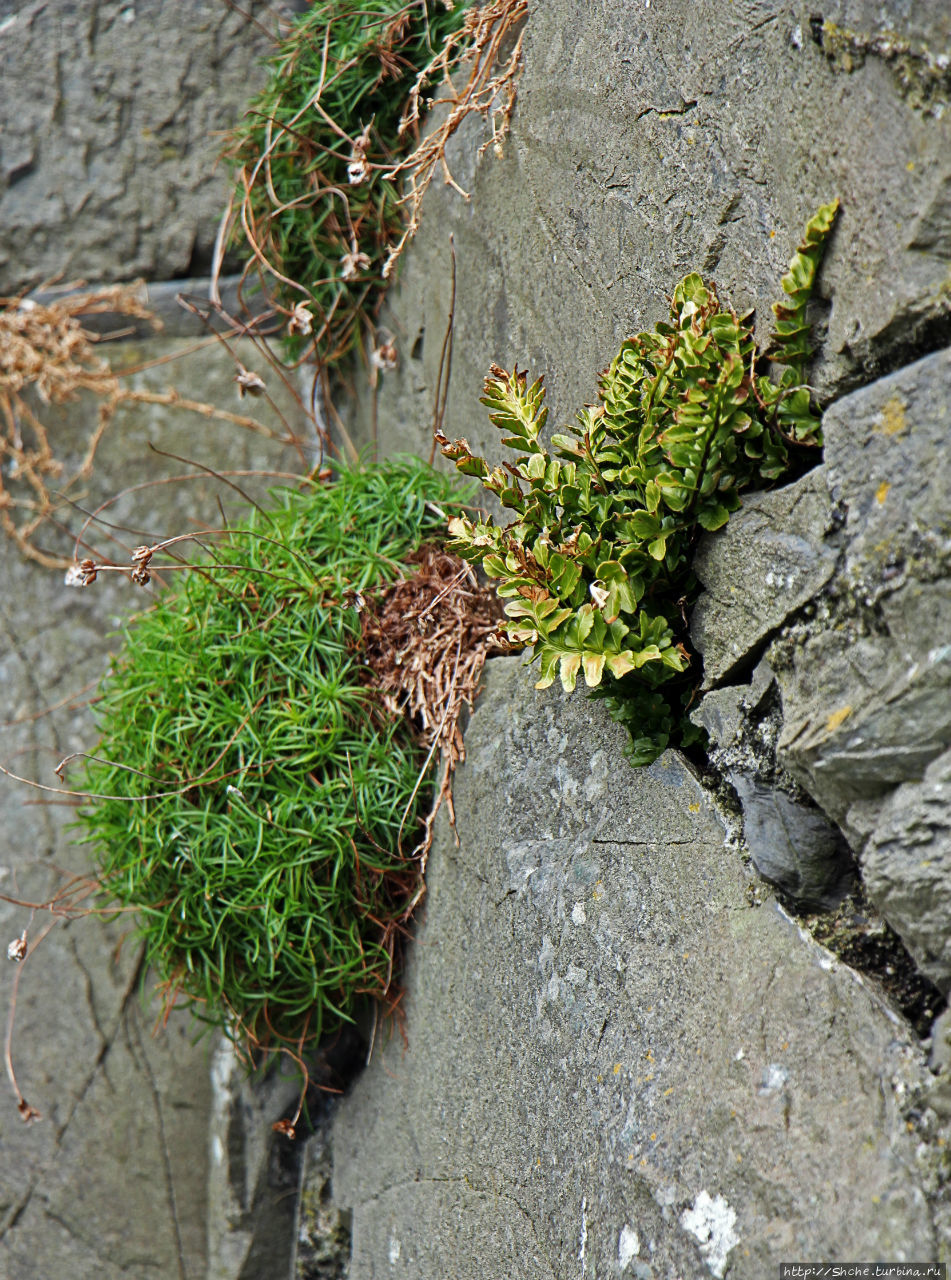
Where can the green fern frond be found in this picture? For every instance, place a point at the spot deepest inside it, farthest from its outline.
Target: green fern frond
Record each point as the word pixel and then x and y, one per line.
pixel 595 569
pixel 790 342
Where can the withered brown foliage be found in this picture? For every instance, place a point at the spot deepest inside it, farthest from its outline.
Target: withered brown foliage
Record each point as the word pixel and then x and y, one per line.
pixel 47 357
pixel 485 58
pixel 426 638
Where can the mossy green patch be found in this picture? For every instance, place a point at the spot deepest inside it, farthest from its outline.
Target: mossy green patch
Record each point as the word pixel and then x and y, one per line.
pixel 251 799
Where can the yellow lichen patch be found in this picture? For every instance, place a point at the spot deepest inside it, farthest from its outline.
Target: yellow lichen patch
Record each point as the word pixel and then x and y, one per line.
pixel 695 807
pixel 836 718
pixel 891 420
pixel 881 493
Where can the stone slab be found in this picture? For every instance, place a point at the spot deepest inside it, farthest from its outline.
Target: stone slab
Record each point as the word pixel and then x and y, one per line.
pixel 110 130
pixel 616 1065
pixel 649 141
pixel 867 698
pixel 778 560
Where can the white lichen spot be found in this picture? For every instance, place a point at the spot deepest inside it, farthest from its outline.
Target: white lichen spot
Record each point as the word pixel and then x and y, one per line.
pixel 774 1077
pixel 796 38
pixel 628 1246
pixel 577 913
pixel 711 1222
pixel 583 1237
pixel 395 1250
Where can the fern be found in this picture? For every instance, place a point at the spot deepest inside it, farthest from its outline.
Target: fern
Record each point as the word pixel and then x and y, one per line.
pixel 595 568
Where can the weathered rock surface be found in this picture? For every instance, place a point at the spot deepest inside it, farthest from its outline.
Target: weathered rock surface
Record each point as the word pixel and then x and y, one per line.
pixel 110 123
pixel 778 562
pixel 791 842
pixel 864 671
pixel 867 699
pixel 906 865
pixel 616 1064
pixel 589 1018
pixel 649 142
pixel 253 1173
pixel 113 1181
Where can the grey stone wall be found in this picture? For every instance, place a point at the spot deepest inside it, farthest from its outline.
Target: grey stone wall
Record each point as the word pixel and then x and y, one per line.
pixel 627 1056
pixel 111 113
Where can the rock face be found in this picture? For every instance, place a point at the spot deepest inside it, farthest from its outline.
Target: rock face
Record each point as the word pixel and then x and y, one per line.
pixel 110 124
pixel 863 671
pixel 624 1058
pixel 594 1003
pixel 617 1063
pixel 867 701
pixel 780 561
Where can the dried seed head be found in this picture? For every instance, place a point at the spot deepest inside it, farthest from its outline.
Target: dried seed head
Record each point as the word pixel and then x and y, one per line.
pixel 284 1127
pixel 301 321
pixel 384 357
pixel 358 171
pixel 141 556
pixel 17 948
pixel 141 577
pixel 249 383
pixel 28 1113
pixel 82 574
pixel 353 263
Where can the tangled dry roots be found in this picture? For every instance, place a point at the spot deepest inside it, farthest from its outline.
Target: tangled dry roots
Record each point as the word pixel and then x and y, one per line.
pixel 44 350
pixel 426 638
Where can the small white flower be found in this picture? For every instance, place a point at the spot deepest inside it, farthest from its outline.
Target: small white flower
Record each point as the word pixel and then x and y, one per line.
pixel 17 948
pixel 598 594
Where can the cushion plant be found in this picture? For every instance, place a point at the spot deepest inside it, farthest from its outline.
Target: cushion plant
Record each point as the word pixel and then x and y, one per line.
pixel 251 798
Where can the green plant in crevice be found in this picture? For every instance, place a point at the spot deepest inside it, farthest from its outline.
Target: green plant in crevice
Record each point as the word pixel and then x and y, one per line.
pixel 595 568
pixel 334 156
pixel 251 798
pixel 317 211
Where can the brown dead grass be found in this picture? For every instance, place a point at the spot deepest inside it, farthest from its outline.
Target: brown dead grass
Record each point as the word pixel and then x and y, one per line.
pixel 485 56
pixel 48 358
pixel 426 638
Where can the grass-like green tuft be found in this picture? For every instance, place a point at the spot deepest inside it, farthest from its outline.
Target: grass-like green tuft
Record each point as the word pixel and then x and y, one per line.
pixel 250 797
pixel 317 209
